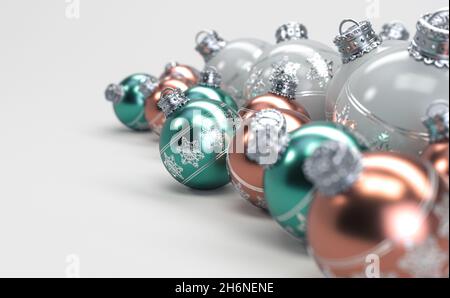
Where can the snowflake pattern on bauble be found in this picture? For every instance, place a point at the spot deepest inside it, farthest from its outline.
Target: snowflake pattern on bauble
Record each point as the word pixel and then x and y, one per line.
pixel 191 153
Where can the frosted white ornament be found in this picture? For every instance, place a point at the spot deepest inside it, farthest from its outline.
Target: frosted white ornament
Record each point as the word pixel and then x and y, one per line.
pixel 233 59
pixel 390 94
pixel 357 45
pixel 315 65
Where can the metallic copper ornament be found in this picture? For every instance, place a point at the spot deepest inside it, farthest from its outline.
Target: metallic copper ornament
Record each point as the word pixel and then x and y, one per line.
pixel 247 175
pixel 271 101
pixel 438 155
pixel 175 70
pixel 392 222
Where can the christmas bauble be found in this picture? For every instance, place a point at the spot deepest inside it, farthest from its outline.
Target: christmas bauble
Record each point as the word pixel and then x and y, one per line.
pixel 129 101
pixel 288 192
pixel 377 215
pixel 233 59
pixel 175 70
pixel 386 98
pixel 281 95
pixel 175 76
pixel 195 138
pixel 246 170
pixel 209 87
pixel 394 31
pixel 357 45
pixel 312 63
pixel 437 153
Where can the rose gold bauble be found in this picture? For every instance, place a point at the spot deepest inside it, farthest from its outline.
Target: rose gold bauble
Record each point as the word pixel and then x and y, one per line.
pixel 438 155
pixel 179 71
pixel 153 114
pixel 248 176
pixel 271 101
pixel 395 215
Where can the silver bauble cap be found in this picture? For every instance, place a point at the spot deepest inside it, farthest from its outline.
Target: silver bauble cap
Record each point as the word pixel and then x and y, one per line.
pixel 149 86
pixel 114 93
pixel 209 43
pixel 431 41
pixel 357 40
pixel 171 100
pixel 436 121
pixel 210 77
pixel 284 79
pixel 268 137
pixel 291 31
pixel 333 167
pixel 394 31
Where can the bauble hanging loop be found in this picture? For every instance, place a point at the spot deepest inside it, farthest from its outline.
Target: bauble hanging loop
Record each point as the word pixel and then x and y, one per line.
pixel 114 93
pixel 268 137
pixel 284 79
pixel 333 167
pixel 431 42
pixel 210 77
pixel 357 40
pixel 291 31
pixel 171 100
pixel 209 43
pixel 394 30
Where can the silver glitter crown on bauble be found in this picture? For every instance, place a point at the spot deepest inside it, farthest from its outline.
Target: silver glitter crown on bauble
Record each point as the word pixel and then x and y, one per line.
pixel 171 100
pixel 437 122
pixel 148 86
pixel 394 31
pixel 268 137
pixel 210 77
pixel 333 167
pixel 209 43
pixel 357 40
pixel 430 44
pixel 284 79
pixel 291 31
pixel 114 93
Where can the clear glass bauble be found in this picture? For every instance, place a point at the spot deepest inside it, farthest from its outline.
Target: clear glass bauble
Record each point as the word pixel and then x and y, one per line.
pixel 234 63
pixel 314 64
pixel 387 98
pixel 346 70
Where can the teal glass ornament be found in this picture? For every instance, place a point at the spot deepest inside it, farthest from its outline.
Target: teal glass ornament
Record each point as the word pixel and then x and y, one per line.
pixel 288 192
pixel 129 97
pixel 195 138
pixel 209 88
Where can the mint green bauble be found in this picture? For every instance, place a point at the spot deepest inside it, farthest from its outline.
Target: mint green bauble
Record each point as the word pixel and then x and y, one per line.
pixel 129 101
pixel 288 192
pixel 194 141
pixel 213 93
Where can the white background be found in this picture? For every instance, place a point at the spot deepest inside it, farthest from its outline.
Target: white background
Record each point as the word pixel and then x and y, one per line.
pixel 76 188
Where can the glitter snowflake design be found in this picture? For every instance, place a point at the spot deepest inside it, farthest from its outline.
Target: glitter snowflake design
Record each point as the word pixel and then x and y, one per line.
pixel 190 153
pixel 442 212
pixel 343 118
pixel 261 203
pixel 425 261
pixel 256 84
pixel 175 170
pixel 284 68
pixel 382 142
pixel 214 138
pixel 241 190
pixel 321 70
